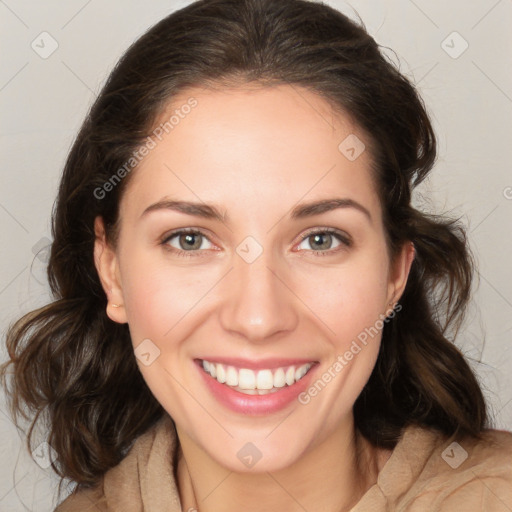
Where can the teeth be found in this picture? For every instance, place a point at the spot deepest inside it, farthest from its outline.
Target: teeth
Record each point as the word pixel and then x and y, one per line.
pixel 265 380
pixel 246 379
pixel 231 377
pixel 300 372
pixel 248 391
pixel 260 382
pixel 290 375
pixel 279 378
pixel 221 374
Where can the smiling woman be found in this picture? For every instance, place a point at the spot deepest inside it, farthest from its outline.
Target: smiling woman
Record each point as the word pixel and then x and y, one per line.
pixel 253 315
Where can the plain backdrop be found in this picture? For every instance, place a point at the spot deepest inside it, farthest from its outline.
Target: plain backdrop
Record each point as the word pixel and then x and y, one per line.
pixel 458 53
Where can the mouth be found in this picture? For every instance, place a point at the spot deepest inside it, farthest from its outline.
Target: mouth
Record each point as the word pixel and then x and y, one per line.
pixel 256 382
pixel 256 388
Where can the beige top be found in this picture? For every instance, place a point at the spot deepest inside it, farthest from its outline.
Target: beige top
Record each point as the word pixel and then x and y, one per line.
pixel 425 473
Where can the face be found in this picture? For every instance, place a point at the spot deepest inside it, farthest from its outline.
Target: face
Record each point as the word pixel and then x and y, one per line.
pixel 272 288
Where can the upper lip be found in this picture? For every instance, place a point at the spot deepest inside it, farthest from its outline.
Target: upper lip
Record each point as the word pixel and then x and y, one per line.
pixel 260 364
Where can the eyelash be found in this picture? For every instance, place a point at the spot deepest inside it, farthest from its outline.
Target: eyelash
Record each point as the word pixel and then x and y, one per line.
pixel 341 237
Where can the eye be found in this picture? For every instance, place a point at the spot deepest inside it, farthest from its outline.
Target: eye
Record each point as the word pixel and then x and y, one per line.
pixel 185 242
pixel 189 242
pixel 321 241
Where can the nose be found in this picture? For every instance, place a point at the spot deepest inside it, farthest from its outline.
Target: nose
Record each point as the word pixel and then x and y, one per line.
pixel 260 304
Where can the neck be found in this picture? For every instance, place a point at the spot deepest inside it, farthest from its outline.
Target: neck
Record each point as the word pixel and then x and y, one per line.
pixel 331 477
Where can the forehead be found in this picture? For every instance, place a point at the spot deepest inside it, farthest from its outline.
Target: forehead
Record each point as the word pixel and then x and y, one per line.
pixel 280 143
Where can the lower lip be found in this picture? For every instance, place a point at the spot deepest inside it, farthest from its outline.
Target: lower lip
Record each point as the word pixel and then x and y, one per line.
pixel 255 404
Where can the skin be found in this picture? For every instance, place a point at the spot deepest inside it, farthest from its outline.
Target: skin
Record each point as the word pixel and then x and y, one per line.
pixel 256 153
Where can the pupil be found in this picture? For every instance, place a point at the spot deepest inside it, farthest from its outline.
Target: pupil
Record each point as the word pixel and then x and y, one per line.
pixel 189 240
pixel 318 236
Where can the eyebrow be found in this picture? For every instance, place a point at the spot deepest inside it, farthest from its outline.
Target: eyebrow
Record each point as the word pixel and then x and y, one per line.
pixel 208 211
pixel 327 205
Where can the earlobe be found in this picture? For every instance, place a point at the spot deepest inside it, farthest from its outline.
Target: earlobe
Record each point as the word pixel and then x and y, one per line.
pixel 105 261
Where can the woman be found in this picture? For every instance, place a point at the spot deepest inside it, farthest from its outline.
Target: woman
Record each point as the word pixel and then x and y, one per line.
pixel 249 313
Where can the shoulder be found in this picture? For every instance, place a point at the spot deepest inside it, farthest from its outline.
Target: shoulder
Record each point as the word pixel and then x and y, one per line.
pixel 484 473
pixel 473 474
pixel 122 482
pixel 85 500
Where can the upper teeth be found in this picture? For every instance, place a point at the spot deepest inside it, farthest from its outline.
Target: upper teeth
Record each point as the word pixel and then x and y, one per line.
pixel 245 378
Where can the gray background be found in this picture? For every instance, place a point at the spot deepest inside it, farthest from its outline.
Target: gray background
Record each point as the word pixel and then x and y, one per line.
pixel 44 98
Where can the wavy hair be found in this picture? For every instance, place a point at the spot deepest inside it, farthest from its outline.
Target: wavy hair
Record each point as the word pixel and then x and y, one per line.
pixel 73 365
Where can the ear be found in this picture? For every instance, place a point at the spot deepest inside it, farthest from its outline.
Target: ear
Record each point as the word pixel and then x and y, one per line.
pixel 399 273
pixel 105 260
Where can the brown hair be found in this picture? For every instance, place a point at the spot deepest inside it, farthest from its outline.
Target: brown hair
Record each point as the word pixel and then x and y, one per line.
pixel 76 366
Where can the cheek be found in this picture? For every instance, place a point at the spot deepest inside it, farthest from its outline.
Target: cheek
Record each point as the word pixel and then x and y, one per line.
pixel 158 295
pixel 160 300
pixel 351 301
pixel 348 298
